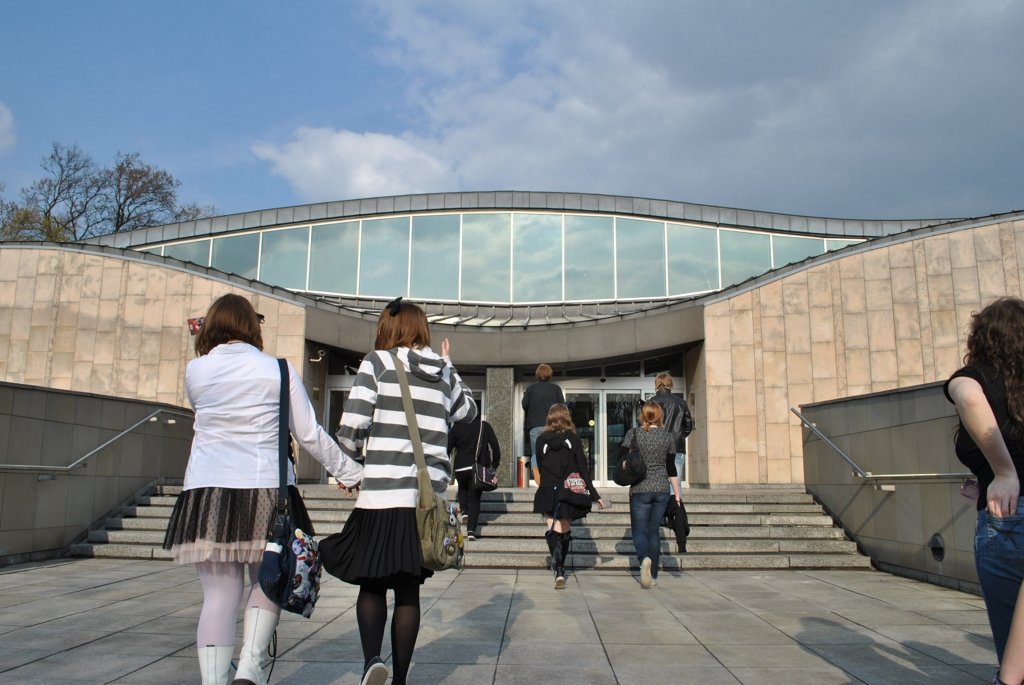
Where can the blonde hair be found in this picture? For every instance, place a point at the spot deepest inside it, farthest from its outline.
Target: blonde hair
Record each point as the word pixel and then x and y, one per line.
pixel 543 372
pixel 559 419
pixel 663 381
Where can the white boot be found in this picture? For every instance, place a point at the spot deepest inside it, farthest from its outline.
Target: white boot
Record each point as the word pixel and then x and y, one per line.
pixel 257 630
pixel 215 664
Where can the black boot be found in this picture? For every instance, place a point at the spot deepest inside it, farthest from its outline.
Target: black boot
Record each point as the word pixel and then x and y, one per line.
pixel 566 544
pixel 552 539
pixel 558 559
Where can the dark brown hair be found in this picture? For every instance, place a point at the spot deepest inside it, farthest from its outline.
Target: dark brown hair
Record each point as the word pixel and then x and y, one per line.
pixel 230 317
pixel 402 324
pixel 996 339
pixel 651 415
pixel 559 419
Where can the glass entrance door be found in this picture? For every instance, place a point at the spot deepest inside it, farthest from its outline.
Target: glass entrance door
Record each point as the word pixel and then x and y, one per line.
pixel 602 417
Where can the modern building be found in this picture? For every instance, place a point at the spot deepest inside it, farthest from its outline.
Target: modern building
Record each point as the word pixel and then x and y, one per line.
pixel 753 313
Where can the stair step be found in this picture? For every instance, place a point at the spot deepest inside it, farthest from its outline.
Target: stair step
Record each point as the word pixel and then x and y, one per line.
pixel 730 529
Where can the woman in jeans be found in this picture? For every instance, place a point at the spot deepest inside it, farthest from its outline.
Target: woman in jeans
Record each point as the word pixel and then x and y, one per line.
pixel 989 396
pixel 649 498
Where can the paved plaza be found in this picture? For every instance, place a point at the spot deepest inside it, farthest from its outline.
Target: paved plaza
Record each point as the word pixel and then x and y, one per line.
pixel 116 621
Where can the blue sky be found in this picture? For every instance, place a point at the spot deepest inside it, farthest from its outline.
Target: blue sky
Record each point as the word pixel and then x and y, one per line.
pixel 861 110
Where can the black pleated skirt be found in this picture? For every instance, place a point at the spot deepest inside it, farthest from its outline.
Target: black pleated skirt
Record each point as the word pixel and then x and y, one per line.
pixel 376 546
pixel 228 524
pixel 545 501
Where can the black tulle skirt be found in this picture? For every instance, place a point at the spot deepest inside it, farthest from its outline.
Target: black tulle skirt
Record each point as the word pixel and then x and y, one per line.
pixel 376 546
pixel 227 524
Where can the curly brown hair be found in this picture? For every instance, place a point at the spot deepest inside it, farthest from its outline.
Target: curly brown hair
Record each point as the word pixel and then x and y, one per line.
pixel 996 339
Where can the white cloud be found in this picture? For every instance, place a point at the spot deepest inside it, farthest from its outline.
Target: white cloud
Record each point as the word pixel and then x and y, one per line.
pixel 323 163
pixel 783 106
pixel 7 137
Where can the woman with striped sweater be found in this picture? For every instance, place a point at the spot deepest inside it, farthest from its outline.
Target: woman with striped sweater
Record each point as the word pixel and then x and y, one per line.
pixel 379 549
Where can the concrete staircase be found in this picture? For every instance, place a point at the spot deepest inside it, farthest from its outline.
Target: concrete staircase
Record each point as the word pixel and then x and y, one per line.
pixel 756 529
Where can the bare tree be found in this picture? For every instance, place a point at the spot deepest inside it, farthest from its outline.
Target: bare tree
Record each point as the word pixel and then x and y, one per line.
pixel 64 202
pixel 136 194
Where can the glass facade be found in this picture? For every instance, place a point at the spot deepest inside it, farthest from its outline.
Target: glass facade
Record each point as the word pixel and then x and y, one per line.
pixel 494 257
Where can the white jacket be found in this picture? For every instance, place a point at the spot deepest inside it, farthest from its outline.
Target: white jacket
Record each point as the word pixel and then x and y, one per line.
pixel 235 392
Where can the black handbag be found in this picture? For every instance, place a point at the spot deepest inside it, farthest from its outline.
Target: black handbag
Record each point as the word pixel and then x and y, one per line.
pixel 290 570
pixel 632 467
pixel 485 478
pixel 574 491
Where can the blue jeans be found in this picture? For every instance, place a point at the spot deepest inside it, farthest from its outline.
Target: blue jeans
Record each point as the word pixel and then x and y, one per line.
pixel 646 510
pixel 534 434
pixel 680 460
pixel 999 559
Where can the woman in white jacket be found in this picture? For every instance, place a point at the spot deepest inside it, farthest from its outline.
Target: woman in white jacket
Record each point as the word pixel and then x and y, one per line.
pixel 221 520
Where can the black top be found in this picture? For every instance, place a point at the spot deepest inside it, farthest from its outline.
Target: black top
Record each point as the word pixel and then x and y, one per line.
pixel 967 451
pixel 677 420
pixel 537 400
pixel 462 437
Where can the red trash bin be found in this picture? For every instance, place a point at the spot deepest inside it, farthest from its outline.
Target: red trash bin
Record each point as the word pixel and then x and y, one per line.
pixel 521 477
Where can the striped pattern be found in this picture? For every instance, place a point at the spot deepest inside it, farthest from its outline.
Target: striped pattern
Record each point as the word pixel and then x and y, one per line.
pixel 374 417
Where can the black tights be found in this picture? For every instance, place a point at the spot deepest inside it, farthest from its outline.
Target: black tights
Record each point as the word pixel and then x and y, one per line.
pixel 372 615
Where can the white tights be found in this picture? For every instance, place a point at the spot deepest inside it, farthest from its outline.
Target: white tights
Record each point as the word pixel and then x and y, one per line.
pixel 223 583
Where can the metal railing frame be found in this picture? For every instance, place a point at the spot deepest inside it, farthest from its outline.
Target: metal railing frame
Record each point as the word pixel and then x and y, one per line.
pixel 880 481
pixel 81 461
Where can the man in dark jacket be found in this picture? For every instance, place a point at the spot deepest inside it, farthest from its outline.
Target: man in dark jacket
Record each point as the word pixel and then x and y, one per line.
pixel 678 420
pixel 537 400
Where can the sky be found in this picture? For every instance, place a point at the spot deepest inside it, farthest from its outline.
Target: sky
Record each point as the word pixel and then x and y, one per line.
pixel 871 109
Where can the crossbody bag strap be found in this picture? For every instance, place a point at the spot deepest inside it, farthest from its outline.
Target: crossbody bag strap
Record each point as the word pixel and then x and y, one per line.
pixel 425 486
pixel 282 440
pixel 479 436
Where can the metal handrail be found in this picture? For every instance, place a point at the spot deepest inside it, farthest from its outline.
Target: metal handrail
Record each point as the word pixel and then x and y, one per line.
pixel 877 478
pixel 81 460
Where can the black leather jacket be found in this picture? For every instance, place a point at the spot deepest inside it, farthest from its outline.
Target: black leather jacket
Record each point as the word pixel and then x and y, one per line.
pixel 678 421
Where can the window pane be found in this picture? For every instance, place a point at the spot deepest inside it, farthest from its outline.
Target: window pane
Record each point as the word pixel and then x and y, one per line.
pixel 836 244
pixel 333 258
pixel 589 269
pixel 283 257
pixel 692 259
pixel 435 257
pixel 236 254
pixel 744 255
pixel 537 257
pixel 789 249
pixel 640 263
pixel 486 247
pixel 384 261
pixel 197 252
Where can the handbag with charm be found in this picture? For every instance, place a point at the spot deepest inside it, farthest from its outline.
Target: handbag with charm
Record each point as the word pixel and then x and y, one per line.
pixel 290 571
pixel 485 478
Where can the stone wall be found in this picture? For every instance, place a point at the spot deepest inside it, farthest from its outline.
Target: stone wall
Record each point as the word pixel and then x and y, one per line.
pixel 891 317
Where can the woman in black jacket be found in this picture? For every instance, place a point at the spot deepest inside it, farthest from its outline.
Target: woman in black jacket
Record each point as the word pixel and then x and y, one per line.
pixel 473 443
pixel 566 490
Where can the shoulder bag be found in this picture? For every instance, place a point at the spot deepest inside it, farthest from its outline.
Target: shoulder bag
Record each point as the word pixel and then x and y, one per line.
pixel 632 467
pixel 485 478
pixel 290 571
pixel 439 529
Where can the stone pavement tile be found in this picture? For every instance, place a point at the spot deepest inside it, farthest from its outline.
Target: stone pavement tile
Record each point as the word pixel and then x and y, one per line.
pixel 623 627
pixel 823 630
pixel 884 616
pixel 308 649
pixel 555 626
pixel 49 639
pixel 769 656
pixel 933 633
pixel 76 667
pixel 134 643
pixel 458 651
pixel 977 651
pixel 660 659
pixel 12 658
pixel 340 626
pixel 46 609
pixel 794 676
pixel 567 668
pixel 181 625
pixel 958 617
pixel 893 664
pixel 526 652
pixel 642 674
pixel 451 674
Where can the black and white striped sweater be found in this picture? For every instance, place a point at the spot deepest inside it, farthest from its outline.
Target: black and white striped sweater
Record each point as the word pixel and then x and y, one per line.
pixel 374 415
